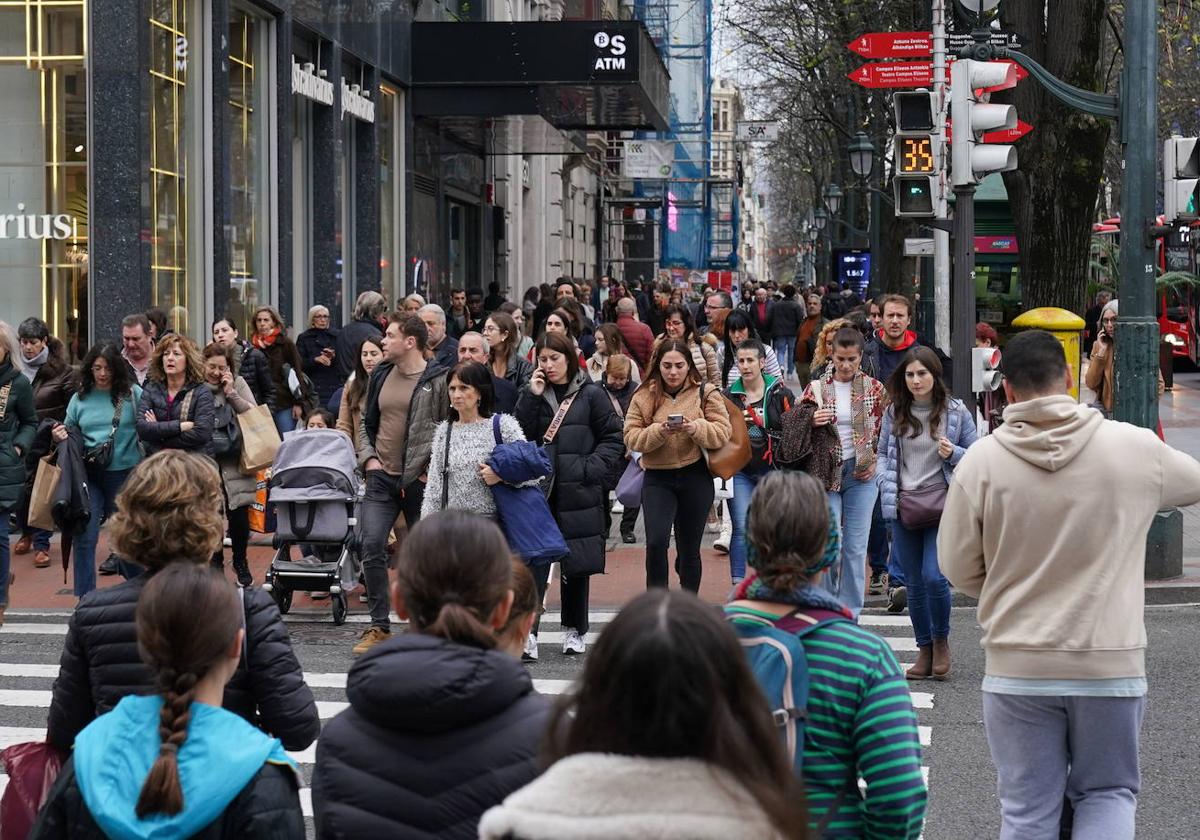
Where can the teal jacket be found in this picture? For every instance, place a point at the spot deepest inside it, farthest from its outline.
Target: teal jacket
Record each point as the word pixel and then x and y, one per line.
pixel 18 424
pixel 222 755
pixel 92 415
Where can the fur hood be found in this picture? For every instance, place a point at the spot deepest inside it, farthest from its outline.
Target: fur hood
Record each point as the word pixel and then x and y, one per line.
pixel 599 796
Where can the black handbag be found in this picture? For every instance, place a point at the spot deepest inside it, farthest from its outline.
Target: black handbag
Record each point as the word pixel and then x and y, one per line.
pixel 98 457
pixel 920 507
pixel 227 434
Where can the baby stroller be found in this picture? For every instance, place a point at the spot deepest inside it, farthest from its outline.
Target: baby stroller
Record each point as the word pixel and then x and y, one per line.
pixel 316 495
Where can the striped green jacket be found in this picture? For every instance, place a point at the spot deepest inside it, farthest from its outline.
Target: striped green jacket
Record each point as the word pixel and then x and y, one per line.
pixel 861 724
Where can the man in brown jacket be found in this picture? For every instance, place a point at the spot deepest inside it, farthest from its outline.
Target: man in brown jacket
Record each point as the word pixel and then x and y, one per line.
pixel 637 335
pixel 1045 523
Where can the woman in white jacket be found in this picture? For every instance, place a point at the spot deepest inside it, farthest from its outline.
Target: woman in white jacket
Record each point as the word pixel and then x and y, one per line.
pixel 667 736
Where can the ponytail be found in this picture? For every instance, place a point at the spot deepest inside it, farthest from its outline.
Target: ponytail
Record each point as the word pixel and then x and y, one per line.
pixel 457 623
pixel 162 792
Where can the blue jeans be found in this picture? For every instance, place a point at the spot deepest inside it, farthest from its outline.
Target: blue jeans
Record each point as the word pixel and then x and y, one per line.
pixel 785 351
pixel 284 421
pixel 852 505
pixel 739 506
pixel 4 558
pixel 104 488
pixel 928 591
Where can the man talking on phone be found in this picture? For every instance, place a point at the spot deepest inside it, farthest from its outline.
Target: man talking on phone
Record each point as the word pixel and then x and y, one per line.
pixel 406 398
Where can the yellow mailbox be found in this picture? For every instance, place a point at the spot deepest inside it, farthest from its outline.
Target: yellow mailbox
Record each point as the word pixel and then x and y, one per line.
pixel 1065 326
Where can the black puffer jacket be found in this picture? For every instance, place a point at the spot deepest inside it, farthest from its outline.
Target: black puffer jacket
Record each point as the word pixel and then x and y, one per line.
pixel 100 665
pixel 436 733
pixel 18 425
pixel 309 345
pixel 584 454
pixel 164 432
pixel 267 808
pixel 252 365
pixel 348 341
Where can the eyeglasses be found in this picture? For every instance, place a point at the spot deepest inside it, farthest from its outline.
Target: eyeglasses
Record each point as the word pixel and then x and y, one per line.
pixel 99 368
pixel 1109 320
pixel 490 328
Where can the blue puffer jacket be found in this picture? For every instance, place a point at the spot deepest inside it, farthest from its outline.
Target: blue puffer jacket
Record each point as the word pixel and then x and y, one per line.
pixel 960 429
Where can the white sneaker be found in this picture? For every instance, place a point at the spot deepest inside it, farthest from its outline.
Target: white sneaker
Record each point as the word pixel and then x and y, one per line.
pixel 572 641
pixel 721 544
pixel 530 654
pixel 617 508
pixel 362 597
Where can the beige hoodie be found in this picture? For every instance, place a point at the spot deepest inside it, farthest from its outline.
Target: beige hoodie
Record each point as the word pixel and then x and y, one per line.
pixel 1045 523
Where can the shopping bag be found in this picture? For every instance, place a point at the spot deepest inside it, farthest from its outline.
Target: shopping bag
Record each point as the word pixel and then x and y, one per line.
pixel 262 512
pixel 260 439
pixel 31 769
pixel 41 498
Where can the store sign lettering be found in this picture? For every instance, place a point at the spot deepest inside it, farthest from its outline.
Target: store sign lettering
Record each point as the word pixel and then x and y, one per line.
pixel 616 47
pixel 308 84
pixel 37 227
pixel 181 53
pixel 356 103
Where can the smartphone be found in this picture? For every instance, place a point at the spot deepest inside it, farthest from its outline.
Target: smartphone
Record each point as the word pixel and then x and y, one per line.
pixel 674 419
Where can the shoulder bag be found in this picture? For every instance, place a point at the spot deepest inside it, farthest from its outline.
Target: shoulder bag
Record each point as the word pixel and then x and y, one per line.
pixel 920 507
pixel 446 466
pixel 734 455
pixel 100 456
pixel 227 434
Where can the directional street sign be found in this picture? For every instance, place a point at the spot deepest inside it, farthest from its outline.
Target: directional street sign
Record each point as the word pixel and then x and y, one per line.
pixel 1022 74
pixel 955 41
pixel 1007 135
pixel 895 74
pixel 893 45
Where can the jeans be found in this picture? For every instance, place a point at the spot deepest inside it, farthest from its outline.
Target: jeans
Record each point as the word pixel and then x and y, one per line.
pixel 785 351
pixel 739 506
pixel 104 488
pixel 572 592
pixel 928 592
pixel 852 505
pixel 1085 748
pixel 284 421
pixel 682 498
pixel 386 498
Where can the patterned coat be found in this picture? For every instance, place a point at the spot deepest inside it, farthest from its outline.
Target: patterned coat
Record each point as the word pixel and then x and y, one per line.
pixel 868 401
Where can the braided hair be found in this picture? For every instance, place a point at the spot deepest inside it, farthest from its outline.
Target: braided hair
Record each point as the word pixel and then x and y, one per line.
pixel 181 652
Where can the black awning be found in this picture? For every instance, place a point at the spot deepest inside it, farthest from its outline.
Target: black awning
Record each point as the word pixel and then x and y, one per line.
pixel 585 75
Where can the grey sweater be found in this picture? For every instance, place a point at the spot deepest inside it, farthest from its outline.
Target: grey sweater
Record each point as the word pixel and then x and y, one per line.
pixel 920 463
pixel 470 446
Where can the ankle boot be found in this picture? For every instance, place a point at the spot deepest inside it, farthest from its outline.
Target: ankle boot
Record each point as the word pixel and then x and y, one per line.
pixel 241 568
pixel 941 659
pixel 922 669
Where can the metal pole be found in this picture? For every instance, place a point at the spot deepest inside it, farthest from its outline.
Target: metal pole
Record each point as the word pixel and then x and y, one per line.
pixel 874 226
pixel 941 239
pixel 1136 357
pixel 963 334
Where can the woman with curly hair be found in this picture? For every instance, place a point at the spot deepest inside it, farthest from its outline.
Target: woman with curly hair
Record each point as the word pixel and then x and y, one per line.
pixel 171 511
pixel 176 408
pixel 823 348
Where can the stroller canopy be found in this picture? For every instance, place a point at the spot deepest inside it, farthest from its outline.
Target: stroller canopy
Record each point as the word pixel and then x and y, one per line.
pixel 313 465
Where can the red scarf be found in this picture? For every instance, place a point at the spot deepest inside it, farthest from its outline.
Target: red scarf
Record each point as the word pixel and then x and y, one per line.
pixel 262 342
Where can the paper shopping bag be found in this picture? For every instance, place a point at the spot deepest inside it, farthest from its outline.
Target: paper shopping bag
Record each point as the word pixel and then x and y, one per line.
pixel 260 439
pixel 41 500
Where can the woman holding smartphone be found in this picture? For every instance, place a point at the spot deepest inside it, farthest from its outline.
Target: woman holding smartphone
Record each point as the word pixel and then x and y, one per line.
pixel 673 417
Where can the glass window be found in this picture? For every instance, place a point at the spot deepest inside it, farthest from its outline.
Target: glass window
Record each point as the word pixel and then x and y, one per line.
pixel 302 256
pixel 464 244
pixel 347 222
pixel 391 212
pixel 247 234
pixel 176 170
pixel 43 168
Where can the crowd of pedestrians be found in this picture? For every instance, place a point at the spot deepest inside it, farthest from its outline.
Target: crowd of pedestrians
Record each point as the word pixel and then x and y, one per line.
pixel 857 458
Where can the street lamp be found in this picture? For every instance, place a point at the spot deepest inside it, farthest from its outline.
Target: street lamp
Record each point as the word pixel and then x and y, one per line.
pixel 813 234
pixel 862 154
pixel 820 217
pixel 833 198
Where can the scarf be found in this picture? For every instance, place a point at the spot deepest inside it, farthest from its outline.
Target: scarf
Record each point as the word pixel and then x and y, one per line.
pixel 864 444
pixel 262 342
pixel 40 359
pixel 809 595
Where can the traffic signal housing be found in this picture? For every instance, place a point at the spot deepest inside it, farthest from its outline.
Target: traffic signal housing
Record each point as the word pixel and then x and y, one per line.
pixel 915 150
pixel 985 369
pixel 970 118
pixel 1181 178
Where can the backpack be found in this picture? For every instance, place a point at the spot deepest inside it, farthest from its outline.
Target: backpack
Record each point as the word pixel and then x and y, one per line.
pixel 777 658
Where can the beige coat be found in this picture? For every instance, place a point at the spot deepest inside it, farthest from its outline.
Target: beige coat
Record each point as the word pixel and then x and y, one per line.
pixel 648 410
pixel 239 488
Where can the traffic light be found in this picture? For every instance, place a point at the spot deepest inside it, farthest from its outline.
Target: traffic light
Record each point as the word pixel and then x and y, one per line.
pixel 985 369
pixel 915 150
pixel 1181 178
pixel 970 118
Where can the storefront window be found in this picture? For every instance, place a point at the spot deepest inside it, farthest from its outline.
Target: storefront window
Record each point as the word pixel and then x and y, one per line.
pixel 464 244
pixel 391 268
pixel 43 168
pixel 248 232
pixel 175 178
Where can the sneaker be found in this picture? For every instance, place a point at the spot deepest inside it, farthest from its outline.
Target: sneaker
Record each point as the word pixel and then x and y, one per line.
pixel 41 560
pixel 318 596
pixel 530 654
pixel 23 546
pixel 897 599
pixel 371 636
pixel 628 537
pixel 721 544
pixel 362 597
pixel 617 508
pixel 572 641
pixel 879 583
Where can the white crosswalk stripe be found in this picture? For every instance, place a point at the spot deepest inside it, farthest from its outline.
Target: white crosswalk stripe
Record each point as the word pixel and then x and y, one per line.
pixel 25 687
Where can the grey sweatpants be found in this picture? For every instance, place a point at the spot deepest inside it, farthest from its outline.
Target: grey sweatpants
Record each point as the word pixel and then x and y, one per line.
pixel 1083 747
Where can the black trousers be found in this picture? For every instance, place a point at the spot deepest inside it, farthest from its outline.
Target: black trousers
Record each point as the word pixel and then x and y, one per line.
pixel 572 591
pixel 679 498
pixel 239 535
pixel 628 518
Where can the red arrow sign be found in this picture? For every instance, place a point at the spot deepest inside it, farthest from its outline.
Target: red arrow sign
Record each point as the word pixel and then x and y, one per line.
pixel 1005 135
pixel 899 74
pixel 1022 73
pixel 893 45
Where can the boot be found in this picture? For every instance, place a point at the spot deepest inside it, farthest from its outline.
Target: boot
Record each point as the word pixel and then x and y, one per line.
pixel 941 659
pixel 922 669
pixel 241 568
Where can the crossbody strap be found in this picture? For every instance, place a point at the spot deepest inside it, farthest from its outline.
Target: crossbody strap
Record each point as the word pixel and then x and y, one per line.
pixel 187 405
pixel 446 466
pixel 559 415
pixel 116 421
pixel 496 429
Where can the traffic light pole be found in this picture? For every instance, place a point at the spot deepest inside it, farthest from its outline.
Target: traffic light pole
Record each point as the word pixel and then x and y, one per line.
pixel 962 333
pixel 941 239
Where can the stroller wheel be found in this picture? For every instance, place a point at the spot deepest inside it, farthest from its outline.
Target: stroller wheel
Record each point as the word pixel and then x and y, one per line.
pixel 283 598
pixel 339 608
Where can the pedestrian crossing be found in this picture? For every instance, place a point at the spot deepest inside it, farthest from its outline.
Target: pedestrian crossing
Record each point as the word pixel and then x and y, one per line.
pixel 31 641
